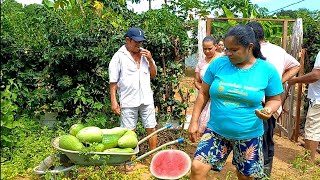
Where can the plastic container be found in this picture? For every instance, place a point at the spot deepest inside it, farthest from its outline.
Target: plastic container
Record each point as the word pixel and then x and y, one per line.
pixel 55 165
pixel 49 119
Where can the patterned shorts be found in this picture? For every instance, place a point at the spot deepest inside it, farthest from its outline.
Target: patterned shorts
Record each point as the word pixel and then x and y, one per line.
pixel 214 149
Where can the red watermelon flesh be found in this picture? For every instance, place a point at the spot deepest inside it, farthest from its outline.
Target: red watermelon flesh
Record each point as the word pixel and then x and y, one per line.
pixel 170 164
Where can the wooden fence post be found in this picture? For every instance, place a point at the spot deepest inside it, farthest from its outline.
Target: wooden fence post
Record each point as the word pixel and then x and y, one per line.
pixel 298 53
pixel 208 26
pixel 285 34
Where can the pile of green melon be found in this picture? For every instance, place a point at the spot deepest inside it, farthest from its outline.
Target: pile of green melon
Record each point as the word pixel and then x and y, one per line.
pixel 118 140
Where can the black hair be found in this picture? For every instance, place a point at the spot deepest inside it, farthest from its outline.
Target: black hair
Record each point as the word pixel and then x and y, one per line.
pixel 258 30
pixel 220 38
pixel 209 39
pixel 244 35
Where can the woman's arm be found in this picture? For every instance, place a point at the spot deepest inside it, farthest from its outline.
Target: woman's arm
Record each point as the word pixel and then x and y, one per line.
pixel 271 106
pixel 201 101
pixel 197 80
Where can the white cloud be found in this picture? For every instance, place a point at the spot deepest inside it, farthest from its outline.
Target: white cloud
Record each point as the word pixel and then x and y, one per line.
pixel 259 1
pixel 141 7
pixel 27 2
pixel 144 5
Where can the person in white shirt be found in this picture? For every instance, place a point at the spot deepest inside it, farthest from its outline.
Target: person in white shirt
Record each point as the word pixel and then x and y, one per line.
pixel 130 71
pixel 312 125
pixel 220 47
pixel 209 45
pixel 287 67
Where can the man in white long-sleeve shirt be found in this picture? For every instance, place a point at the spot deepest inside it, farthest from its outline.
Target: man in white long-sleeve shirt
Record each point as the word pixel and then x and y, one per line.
pixel 287 67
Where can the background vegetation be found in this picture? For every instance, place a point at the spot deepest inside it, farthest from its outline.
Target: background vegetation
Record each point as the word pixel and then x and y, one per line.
pixel 55 56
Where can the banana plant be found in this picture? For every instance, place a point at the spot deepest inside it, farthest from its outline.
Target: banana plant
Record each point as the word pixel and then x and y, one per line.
pixel 246 9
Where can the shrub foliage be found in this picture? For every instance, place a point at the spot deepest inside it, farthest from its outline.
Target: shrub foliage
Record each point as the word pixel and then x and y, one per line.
pixel 59 58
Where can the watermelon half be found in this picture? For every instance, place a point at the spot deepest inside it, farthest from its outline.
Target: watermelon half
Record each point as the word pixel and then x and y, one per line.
pixel 170 164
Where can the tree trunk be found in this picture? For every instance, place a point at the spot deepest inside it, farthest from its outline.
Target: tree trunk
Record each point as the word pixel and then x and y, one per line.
pixel 149 4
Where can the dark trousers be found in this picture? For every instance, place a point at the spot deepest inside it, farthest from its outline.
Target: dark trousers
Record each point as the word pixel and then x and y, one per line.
pixel 268 144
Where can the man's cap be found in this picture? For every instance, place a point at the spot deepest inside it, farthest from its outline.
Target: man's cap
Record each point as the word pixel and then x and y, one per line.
pixel 136 34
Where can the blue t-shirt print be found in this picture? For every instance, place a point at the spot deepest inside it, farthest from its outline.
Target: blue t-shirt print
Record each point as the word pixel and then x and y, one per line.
pixel 236 93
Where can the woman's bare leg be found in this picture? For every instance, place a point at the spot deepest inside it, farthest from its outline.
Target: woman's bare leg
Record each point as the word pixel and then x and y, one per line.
pixel 243 177
pixel 199 170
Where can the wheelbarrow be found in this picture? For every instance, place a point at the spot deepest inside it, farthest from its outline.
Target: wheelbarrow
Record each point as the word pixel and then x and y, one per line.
pixel 111 158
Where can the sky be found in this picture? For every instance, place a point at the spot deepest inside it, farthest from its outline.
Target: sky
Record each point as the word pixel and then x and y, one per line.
pixel 271 5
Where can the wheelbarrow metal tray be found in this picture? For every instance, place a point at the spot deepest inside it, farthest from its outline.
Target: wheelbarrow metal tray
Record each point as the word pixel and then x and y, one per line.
pixel 95 158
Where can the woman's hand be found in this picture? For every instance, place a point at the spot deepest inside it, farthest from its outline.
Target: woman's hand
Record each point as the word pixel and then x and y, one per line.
pixel 193 132
pixel 264 113
pixel 201 101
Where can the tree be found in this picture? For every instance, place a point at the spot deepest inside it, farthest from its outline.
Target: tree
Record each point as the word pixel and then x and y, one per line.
pixel 311 32
pixel 240 8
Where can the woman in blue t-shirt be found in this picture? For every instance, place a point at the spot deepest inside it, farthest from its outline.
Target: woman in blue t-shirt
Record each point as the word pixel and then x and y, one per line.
pixel 236 84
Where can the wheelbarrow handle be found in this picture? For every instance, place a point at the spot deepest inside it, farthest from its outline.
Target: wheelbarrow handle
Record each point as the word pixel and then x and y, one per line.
pixel 180 140
pixel 147 137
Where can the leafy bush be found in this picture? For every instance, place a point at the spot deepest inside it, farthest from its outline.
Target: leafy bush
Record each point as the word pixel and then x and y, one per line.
pixel 61 57
pixel 311 33
pixel 8 112
pixel 64 69
pixel 31 146
pixel 169 44
pixel 56 60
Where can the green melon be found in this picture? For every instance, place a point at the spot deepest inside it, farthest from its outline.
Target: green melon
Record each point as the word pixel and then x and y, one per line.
pixel 70 142
pixel 128 140
pixel 74 129
pixel 90 134
pixel 120 150
pixel 99 147
pixel 111 136
pixel 110 141
pixel 115 131
pixel 132 133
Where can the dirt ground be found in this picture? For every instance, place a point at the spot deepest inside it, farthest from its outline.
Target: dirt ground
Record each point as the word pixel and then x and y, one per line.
pixel 288 163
